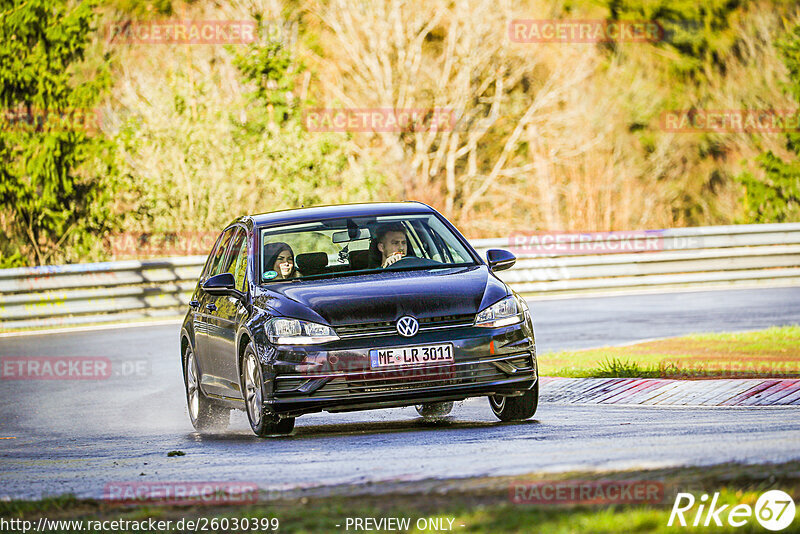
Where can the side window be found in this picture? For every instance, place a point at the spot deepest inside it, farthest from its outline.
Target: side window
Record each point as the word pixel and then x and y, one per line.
pixel 454 255
pixel 416 238
pixel 211 257
pixel 219 253
pixel 237 260
pixel 447 252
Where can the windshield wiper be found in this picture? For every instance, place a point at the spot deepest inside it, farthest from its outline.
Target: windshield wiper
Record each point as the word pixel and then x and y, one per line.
pixel 391 268
pixel 427 267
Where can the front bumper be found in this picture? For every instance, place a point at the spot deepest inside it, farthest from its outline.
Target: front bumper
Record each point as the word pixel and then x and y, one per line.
pixel 486 362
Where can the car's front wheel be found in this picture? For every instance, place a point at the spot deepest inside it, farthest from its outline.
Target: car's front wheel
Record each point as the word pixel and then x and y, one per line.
pixel 262 422
pixel 203 414
pixel 516 408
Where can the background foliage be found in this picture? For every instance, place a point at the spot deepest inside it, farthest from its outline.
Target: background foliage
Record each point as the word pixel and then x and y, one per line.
pixel 56 178
pixel 775 197
pixel 549 136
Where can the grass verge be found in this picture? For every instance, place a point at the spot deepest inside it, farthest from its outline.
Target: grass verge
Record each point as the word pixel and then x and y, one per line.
pixel 464 505
pixel 773 352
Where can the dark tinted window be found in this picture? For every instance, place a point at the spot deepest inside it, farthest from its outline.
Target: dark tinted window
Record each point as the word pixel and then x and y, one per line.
pixel 211 257
pixel 236 264
pixel 215 266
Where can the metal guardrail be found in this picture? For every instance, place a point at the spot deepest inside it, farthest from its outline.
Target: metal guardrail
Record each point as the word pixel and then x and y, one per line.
pixel 700 258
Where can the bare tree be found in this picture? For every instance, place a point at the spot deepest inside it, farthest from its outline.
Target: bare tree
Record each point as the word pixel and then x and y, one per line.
pixel 457 57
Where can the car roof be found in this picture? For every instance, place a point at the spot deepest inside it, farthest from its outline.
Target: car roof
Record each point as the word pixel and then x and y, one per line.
pixel 316 213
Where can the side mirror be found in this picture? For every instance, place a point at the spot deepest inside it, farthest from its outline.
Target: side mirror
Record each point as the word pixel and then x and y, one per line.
pixel 221 284
pixel 499 260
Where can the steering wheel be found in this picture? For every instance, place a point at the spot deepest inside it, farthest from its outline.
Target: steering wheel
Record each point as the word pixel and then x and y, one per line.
pixel 413 261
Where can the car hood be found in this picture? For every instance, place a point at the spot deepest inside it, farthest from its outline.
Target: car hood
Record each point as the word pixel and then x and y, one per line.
pixel 385 296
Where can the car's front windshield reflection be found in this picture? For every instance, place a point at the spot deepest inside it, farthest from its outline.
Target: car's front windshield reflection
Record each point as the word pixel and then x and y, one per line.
pixel 349 246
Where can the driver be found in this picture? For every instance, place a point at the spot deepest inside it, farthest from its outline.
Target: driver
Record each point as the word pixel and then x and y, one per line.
pixel 391 243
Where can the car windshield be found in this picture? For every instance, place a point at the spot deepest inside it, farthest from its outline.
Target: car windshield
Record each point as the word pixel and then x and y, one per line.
pixel 356 245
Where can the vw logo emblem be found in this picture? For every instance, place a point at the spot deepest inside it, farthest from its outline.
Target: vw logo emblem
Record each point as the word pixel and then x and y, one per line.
pixel 407 326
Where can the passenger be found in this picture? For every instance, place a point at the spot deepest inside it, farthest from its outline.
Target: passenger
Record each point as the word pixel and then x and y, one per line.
pixel 389 245
pixel 279 258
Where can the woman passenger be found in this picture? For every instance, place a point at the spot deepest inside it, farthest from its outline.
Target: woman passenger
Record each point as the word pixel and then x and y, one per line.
pixel 279 258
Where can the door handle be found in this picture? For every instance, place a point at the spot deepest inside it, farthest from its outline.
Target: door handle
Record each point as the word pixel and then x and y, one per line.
pixel 211 307
pixel 194 304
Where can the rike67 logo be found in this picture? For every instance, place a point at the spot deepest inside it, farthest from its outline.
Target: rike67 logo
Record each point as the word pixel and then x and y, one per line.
pixel 774 510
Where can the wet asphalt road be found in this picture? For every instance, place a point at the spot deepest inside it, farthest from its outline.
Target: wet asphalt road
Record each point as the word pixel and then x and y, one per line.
pixel 77 436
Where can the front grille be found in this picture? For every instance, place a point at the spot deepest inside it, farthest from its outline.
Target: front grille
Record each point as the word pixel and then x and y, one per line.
pixel 364 328
pixel 388 327
pixel 446 320
pixel 367 382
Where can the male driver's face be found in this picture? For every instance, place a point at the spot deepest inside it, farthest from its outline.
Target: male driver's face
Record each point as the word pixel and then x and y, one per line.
pixel 393 242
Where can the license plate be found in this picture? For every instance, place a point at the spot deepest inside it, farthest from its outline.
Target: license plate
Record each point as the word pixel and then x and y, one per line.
pixel 416 355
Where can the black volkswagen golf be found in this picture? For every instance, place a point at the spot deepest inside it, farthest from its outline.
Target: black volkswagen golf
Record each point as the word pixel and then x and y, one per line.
pixel 353 307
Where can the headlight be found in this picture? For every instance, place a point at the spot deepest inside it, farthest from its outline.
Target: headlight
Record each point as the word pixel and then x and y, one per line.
pixel 503 313
pixel 297 332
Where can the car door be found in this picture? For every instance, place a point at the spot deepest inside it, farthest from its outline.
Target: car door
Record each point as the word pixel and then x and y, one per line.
pixel 224 320
pixel 203 325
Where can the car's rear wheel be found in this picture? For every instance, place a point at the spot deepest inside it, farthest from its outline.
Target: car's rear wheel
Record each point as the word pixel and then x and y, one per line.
pixel 203 413
pixel 262 422
pixel 434 410
pixel 516 408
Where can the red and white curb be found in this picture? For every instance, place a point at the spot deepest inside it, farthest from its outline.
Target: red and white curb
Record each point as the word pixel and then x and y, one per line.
pixel 654 391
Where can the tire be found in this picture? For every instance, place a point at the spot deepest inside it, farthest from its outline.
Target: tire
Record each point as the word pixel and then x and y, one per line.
pixel 516 408
pixel 262 422
pixel 434 410
pixel 203 413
